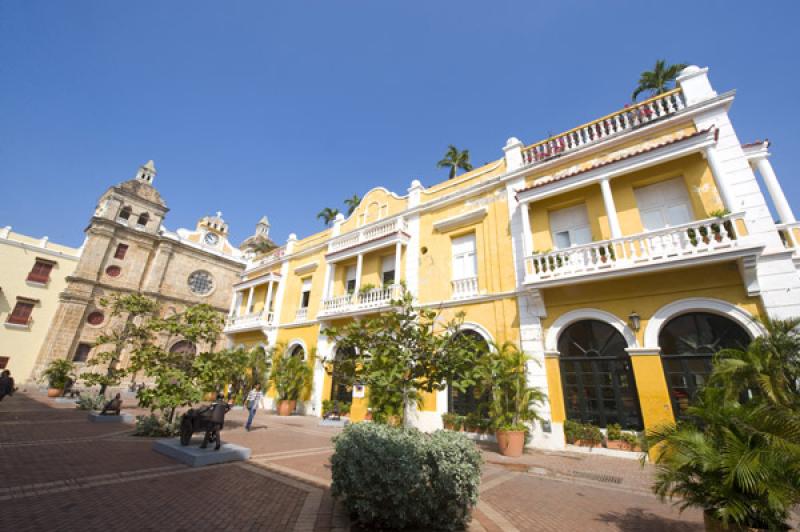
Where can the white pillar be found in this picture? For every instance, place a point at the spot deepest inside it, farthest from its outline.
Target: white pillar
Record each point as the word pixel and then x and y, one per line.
pixel 722 186
pixel 268 301
pixel 513 154
pixel 611 209
pixel 248 308
pixel 527 237
pixel 398 250
pixel 694 83
pixel 238 304
pixel 359 264
pixel 775 191
pixel 234 298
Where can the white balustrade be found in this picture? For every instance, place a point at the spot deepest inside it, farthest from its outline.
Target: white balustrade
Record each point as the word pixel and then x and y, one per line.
pixel 301 314
pixel 698 238
pixel 252 320
pixel 365 300
pixel 273 256
pixel 372 232
pixel 464 287
pixel 623 120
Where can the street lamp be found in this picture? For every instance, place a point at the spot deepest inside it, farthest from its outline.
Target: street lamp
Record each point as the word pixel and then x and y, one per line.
pixel 635 321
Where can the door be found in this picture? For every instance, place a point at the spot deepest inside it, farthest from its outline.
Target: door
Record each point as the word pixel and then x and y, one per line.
pixel 664 204
pixel 570 227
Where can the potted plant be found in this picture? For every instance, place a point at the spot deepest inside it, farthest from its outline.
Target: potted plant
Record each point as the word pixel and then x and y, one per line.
pixel 572 430
pixel 589 436
pixel 451 421
pixel 290 376
pixel 504 371
pixel 58 373
pixel 614 436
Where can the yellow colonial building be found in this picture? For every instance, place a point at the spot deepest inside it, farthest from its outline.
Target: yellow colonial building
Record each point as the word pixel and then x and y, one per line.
pixel 620 255
pixel 33 272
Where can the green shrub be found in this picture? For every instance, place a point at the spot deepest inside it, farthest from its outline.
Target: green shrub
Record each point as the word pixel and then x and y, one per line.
pixel 614 431
pixel 632 439
pixel 572 430
pixel 402 478
pixel 90 402
pixel 154 426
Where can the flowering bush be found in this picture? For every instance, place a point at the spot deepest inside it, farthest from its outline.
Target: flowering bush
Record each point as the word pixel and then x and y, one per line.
pixel 402 478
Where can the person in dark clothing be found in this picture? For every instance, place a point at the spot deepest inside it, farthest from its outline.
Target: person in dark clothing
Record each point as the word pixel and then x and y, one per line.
pixel 215 422
pixel 6 384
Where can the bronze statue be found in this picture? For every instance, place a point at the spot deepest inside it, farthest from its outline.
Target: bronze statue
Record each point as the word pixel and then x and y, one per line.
pixel 210 419
pixel 112 407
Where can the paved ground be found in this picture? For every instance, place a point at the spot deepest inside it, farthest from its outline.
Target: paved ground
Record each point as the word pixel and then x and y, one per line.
pixel 58 471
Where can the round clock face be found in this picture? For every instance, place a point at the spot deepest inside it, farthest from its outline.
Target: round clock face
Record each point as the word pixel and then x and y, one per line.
pixel 211 239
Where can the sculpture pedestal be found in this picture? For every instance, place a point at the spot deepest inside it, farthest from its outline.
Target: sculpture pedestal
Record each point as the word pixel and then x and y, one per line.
pixel 95 417
pixel 193 456
pixel 65 400
pixel 342 422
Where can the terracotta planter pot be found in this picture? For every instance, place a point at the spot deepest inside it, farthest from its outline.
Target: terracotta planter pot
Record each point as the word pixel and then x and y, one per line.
pixel 55 392
pixel 285 408
pixel 449 426
pixel 511 442
pixel 587 443
pixel 368 416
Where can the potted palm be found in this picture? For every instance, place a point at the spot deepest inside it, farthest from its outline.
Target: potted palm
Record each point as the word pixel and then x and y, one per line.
pixel 290 376
pixel 57 374
pixel 504 371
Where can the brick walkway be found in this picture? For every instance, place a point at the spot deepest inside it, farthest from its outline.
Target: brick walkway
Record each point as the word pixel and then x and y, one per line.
pixel 61 472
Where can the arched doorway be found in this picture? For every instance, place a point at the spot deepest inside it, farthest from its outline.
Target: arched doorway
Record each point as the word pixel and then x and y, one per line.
pixel 688 343
pixel 185 347
pixel 341 391
pixel 597 376
pixel 297 351
pixel 473 400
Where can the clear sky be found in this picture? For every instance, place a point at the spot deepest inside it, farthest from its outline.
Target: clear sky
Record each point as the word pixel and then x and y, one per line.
pixel 283 108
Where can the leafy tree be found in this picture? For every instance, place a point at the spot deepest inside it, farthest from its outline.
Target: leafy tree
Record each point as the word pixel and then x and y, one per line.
pixel 657 81
pixel 352 203
pixel 455 159
pixel 400 354
pixel 327 215
pixel 137 311
pixel 737 455
pixel 212 370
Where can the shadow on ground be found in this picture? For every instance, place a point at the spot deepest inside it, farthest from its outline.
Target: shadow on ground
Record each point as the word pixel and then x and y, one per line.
pixel 638 519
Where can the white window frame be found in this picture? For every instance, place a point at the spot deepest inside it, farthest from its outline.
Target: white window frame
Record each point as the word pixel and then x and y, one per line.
pixel 574 221
pixel 465 257
pixel 664 197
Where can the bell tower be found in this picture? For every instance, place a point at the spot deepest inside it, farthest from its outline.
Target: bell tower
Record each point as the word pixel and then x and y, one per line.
pixel 147 172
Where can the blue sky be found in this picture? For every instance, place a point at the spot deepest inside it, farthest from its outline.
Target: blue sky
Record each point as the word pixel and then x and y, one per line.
pixel 283 108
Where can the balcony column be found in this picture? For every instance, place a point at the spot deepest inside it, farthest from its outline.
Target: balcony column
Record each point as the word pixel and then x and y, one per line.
pixel 234 305
pixel 716 172
pixel 775 191
pixel 527 238
pixel 398 254
pixel 359 266
pixel 268 301
pixel 249 306
pixel 611 209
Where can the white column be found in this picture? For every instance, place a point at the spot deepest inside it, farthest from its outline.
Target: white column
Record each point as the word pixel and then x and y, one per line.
pixel 234 298
pixel 611 209
pixel 775 191
pixel 722 186
pixel 268 301
pixel 513 154
pixel 527 237
pixel 238 304
pixel 398 250
pixel 249 300
pixel 359 264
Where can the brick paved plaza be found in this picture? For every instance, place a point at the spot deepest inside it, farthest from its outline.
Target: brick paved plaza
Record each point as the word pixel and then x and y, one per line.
pixel 60 472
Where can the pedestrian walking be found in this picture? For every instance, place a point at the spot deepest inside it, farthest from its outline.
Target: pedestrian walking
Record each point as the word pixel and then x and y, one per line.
pixel 252 402
pixel 6 384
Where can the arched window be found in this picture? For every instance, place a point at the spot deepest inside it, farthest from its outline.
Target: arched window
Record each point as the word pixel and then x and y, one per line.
pixel 143 219
pixel 473 400
pixel 124 214
pixel 688 343
pixel 597 376
pixel 297 351
pixel 185 347
pixel 341 391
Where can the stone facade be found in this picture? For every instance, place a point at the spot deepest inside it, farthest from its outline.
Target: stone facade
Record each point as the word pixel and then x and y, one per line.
pixel 128 250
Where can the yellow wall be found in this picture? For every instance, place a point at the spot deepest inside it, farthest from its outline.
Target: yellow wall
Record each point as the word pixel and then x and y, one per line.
pixel 22 345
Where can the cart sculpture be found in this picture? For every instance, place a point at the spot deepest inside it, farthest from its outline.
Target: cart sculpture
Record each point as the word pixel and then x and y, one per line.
pixel 204 419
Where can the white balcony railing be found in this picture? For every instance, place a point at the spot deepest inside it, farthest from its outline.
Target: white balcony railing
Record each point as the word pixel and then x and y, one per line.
pixel 790 235
pixel 623 120
pixel 464 287
pixel 367 234
pixel 301 314
pixel 255 320
pixel 272 256
pixel 700 238
pixel 366 300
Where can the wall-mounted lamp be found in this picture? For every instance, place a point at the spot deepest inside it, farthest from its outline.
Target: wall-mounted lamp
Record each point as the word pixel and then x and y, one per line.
pixel 635 321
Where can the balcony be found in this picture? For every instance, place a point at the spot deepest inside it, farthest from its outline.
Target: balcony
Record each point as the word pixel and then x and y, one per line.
pixel 362 302
pixel 624 120
pixel 374 233
pixel 249 322
pixel 697 242
pixel 466 287
pixel 301 314
pixel 790 235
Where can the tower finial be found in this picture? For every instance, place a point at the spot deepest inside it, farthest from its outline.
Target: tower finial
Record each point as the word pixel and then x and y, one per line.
pixel 147 172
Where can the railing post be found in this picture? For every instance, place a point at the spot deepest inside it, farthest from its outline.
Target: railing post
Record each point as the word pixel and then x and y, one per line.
pixel 513 154
pixel 694 84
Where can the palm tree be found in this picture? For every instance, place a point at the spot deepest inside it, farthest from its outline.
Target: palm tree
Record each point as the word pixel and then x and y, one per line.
pixel 327 215
pixel 657 80
pixel 352 202
pixel 454 160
